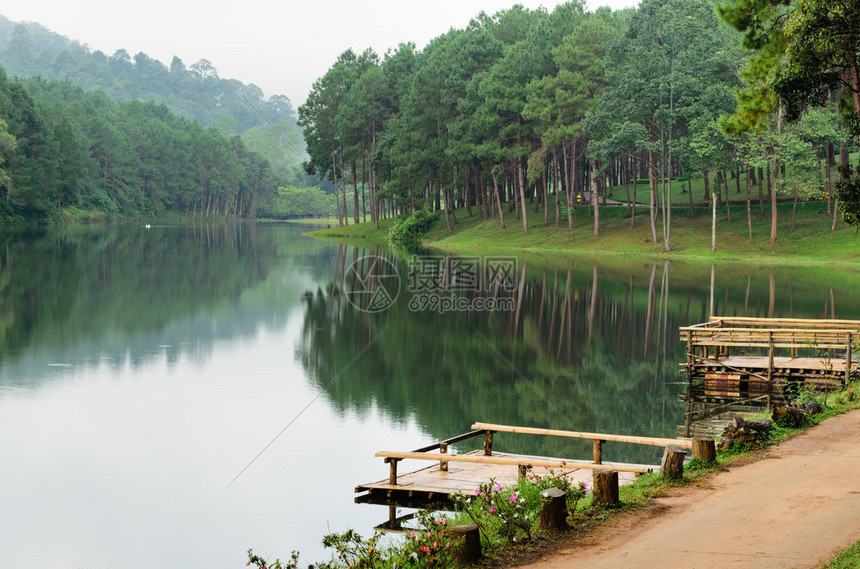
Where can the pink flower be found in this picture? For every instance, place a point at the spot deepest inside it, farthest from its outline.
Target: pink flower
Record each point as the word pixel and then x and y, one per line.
pixel 425 549
pixel 498 487
pixel 513 498
pixel 492 509
pixel 477 491
pixel 411 534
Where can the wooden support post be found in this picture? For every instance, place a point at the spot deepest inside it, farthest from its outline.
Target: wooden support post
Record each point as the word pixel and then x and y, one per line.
pixel 848 358
pixel 605 490
pixel 598 451
pixel 488 443
pixel 769 369
pixel 470 549
pixel 672 465
pixel 705 449
pixel 553 512
pixel 769 356
pixel 443 464
pixel 392 470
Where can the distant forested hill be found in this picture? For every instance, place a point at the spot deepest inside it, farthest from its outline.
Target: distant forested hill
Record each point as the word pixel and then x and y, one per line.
pixel 195 92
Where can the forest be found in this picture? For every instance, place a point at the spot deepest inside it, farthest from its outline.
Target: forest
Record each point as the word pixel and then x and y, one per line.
pixel 548 109
pixel 87 136
pixel 194 92
pixel 65 150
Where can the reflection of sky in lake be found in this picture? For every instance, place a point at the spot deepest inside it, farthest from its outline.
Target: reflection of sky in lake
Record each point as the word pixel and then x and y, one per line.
pixel 128 468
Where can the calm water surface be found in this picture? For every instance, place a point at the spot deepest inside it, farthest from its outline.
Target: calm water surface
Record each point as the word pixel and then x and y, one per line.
pixel 171 397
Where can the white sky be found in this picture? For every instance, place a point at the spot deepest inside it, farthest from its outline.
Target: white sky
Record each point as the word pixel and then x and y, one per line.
pixel 281 46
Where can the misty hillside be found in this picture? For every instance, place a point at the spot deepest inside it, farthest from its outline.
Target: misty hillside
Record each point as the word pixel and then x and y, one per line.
pixel 194 91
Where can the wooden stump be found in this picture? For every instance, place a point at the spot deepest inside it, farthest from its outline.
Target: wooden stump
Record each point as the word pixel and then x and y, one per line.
pixel 705 449
pixel 605 490
pixel 470 549
pixel 672 465
pixel 553 513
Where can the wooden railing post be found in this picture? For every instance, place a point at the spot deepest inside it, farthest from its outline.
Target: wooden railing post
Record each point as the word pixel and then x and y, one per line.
pixel 848 357
pixel 392 470
pixel 598 451
pixel 443 464
pixel 488 443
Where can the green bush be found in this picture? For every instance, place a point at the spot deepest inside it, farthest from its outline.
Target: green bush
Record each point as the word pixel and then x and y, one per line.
pixel 407 232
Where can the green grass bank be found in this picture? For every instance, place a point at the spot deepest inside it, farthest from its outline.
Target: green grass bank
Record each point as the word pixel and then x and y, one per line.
pixel 810 241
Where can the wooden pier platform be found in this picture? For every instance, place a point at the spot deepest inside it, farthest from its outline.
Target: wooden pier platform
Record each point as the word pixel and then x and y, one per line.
pixel 757 355
pixel 758 362
pixel 432 484
pixel 464 473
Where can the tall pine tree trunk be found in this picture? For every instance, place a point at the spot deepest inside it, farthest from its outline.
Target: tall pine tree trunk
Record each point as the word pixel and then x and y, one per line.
pixel 522 195
pixel 498 199
pixel 652 184
pixel 595 198
pixel 749 212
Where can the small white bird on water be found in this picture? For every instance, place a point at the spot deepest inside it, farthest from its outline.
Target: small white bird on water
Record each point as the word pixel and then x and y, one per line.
pixel 147 226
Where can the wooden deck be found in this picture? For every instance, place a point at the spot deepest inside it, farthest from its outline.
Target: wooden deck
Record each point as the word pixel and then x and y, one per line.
pixel 431 483
pixel 463 473
pixel 753 361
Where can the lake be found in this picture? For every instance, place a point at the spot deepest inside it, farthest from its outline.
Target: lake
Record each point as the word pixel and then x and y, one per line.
pixel 172 396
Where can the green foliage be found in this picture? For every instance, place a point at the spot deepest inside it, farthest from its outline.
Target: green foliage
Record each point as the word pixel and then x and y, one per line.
pixel 500 512
pixel 407 232
pixel 848 194
pixel 292 202
pixel 573 491
pixel 261 563
pixel 428 545
pixel 65 148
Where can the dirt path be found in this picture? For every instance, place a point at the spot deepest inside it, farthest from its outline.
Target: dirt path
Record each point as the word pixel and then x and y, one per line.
pixel 797 507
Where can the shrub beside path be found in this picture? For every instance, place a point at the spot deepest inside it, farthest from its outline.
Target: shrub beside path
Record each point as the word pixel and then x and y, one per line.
pixel 797 507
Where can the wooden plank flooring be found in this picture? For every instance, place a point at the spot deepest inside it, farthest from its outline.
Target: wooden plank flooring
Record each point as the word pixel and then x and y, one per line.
pixel 466 477
pixel 752 362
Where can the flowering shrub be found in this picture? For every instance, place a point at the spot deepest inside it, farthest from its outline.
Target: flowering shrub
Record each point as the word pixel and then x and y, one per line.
pixel 430 545
pixel 573 491
pixel 498 511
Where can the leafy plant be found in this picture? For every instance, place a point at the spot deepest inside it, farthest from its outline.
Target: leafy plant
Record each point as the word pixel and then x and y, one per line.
pixel 261 563
pixel 573 491
pixel 430 545
pixel 499 511
pixel 408 231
